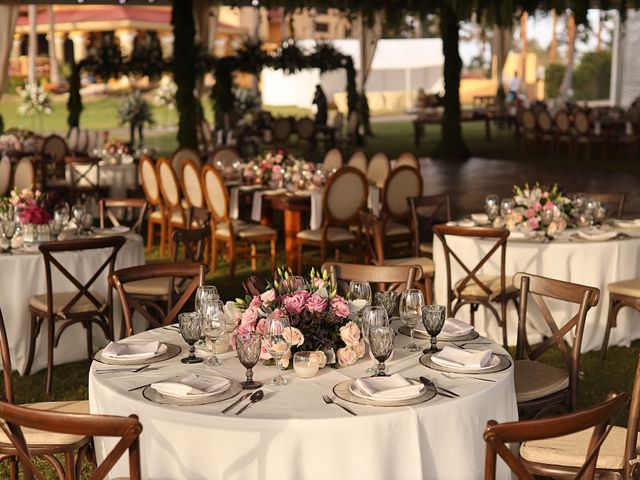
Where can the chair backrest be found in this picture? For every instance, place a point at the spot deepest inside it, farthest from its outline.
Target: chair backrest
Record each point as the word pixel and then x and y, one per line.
pixel 500 235
pixel 191 273
pixel 378 169
pixel 402 184
pixel 194 241
pixel 408 159
pixel 18 418
pixel 73 139
pixel 345 194
pixel 306 128
pixel 216 194
pixel 359 160
pixel 538 289
pixel 225 156
pixel 84 171
pixel 5 175
pixel 191 186
pixel 181 155
pixel 106 204
pixel 5 354
pixel 581 122
pixel 385 277
pixel 528 119
pixel 498 435
pixel 543 120
pixel 55 147
pixel 630 448
pixel 169 186
pixel 83 141
pixel 426 211
pixel 332 160
pixel 149 179
pixel 281 129
pixel 562 121
pixel 373 237
pixel 24 175
pixel 613 202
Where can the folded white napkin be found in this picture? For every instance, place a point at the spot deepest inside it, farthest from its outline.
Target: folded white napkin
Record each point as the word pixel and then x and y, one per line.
pixel 356 305
pixel 596 235
pixel 480 218
pixel 394 387
pixel 315 221
pixel 234 195
pixel 456 328
pixel 192 385
pixel 373 201
pixel 628 223
pixel 466 223
pixel 131 351
pixel 458 358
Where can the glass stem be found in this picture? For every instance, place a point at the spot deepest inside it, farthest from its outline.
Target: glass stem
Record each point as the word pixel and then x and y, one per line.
pixel 381 369
pixel 192 351
pixel 411 336
pixel 434 342
pixel 249 375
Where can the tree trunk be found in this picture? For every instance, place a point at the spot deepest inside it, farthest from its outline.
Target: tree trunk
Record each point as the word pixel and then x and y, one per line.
pixel 54 74
pixel 567 80
pixel 33 45
pixel 553 47
pixel 452 145
pixel 184 71
pixel 524 51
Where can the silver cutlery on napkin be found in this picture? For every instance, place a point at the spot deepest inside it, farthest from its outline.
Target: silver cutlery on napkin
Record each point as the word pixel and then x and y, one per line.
pixel 243 397
pixel 329 401
pixel 129 370
pixel 254 398
pixel 439 390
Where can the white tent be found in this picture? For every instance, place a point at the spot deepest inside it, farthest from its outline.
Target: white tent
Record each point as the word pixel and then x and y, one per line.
pixel 400 67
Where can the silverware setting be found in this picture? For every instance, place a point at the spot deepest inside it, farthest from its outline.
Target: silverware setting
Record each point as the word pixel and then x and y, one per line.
pixel 129 370
pixel 329 401
pixel 243 397
pixel 463 345
pixel 254 398
pixel 439 390
pixel 451 377
pixel 139 388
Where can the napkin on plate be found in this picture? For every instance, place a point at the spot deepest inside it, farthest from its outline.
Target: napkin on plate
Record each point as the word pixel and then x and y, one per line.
pixel 356 305
pixel 458 358
pixel 131 351
pixel 192 385
pixel 628 223
pixel 456 328
pixel 519 235
pixel 480 218
pixel 595 235
pixel 394 387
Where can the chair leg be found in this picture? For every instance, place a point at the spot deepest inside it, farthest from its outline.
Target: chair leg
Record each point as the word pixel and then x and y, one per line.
pixel 34 331
pixel 150 232
pixel 273 256
pixel 428 289
pixel 69 466
pixel 163 237
pixel 503 306
pixel 169 237
pixel 89 332
pixel 614 308
pixel 232 259
pixel 214 255
pixel 254 262
pixel 50 347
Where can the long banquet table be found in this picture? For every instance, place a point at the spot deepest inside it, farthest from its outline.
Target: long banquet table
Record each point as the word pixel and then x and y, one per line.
pixel 23 275
pixel 593 263
pixel 293 434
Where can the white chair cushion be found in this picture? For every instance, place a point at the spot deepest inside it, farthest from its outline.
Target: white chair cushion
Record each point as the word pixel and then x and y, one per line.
pixel 244 230
pixel 334 234
pixel 537 380
pixel 490 281
pixel 426 263
pixel 157 215
pixel 630 288
pixel 426 248
pixel 61 299
pixel 155 287
pixel 394 228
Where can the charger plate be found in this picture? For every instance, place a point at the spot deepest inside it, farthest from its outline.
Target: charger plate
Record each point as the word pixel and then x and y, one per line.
pixel 503 364
pixel 472 335
pixel 343 391
pixel 154 396
pixel 171 351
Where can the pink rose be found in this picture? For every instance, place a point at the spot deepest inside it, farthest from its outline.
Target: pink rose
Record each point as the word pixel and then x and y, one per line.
pixel 340 307
pixel 249 317
pixel 533 223
pixel 548 205
pixel 316 303
pixel 233 312
pixel 261 326
pixel 319 357
pixel 269 296
pixel 350 334
pixel 529 213
pixel 360 348
pixel 318 282
pixel 537 207
pixel 293 336
pixel 255 301
pixel 346 356
pixel 295 302
pixel 264 354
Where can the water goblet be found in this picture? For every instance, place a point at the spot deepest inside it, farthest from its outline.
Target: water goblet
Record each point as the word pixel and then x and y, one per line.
pixel 381 342
pixel 375 316
pixel 277 344
pixel 360 293
pixel 248 346
pixel 492 206
pixel 55 227
pixel 87 222
pixel 411 303
pixel 190 328
pixel 546 216
pixel 214 323
pixel 388 300
pixel 78 213
pixel 205 295
pixel 9 228
pixel 506 207
pixel 433 319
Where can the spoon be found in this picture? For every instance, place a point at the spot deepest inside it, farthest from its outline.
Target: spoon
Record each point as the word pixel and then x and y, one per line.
pixel 256 397
pixel 243 397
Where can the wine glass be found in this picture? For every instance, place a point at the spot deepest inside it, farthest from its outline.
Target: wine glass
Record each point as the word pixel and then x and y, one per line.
pixel 61 213
pixel 388 300
pixel 277 344
pixel 506 207
pixel 433 320
pixel 205 295
pixel 9 228
pixel 375 316
pixel 381 342
pixel 78 212
pixel 87 222
pixel 360 295
pixel 214 323
pixel 411 303
pixel 55 227
pixel 492 206
pixel 248 346
pixel 190 328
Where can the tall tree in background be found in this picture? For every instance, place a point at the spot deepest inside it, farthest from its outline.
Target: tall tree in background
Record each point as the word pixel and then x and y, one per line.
pixel 567 80
pixel 524 50
pixel 553 46
pixel 33 45
pixel 54 73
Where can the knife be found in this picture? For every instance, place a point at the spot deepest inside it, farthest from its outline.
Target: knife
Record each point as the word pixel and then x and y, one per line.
pixel 243 397
pixel 439 390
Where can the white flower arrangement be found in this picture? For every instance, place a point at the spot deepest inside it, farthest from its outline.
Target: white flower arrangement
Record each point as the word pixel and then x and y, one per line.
pixel 165 95
pixel 34 100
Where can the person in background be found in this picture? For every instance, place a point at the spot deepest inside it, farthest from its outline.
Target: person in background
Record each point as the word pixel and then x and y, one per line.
pixel 320 101
pixel 514 86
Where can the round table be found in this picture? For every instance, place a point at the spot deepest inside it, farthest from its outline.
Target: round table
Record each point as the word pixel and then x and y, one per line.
pixel 23 276
pixel 568 258
pixel 293 434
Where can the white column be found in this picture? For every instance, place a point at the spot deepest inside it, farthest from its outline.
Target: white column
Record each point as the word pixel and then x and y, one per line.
pixel 617 59
pixel 126 38
pixel 79 40
pixel 59 41
pixel 166 42
pixel 33 45
pixel 15 46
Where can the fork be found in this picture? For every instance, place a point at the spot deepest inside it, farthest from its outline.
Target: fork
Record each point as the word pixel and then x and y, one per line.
pixel 135 370
pixel 451 377
pixel 329 401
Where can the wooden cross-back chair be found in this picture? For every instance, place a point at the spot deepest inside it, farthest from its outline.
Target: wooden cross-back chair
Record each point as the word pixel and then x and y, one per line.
pixel 427 211
pixel 81 305
pixel 598 418
pixel 85 177
pixel 386 277
pixel 539 386
pixel 151 188
pixel 172 196
pixel 475 289
pixel 130 204
pixel 193 275
pixel 18 419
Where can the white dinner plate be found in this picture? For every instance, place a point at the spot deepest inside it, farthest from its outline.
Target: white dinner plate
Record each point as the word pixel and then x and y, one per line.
pixel 358 392
pixel 493 362
pixel 113 230
pixel 162 349
pixel 193 396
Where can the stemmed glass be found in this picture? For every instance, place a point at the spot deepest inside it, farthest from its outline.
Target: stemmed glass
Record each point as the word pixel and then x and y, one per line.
pixel 375 316
pixel 9 229
pixel 78 213
pixel 492 206
pixel 360 291
pixel 61 213
pixel 433 319
pixel 411 303
pixel 277 344
pixel 55 227
pixel 381 342
pixel 248 346
pixel 190 328
pixel 506 207
pixel 388 300
pixel 205 295
pixel 214 323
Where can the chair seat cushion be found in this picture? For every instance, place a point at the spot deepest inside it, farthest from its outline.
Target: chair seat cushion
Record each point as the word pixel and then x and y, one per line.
pixel 39 437
pixel 426 263
pixel 629 288
pixel 537 380
pixel 426 248
pixel 83 305
pixel 245 230
pixel 334 234
pixel 393 229
pixel 492 282
pixel 154 287
pixel 571 450
pixel 156 215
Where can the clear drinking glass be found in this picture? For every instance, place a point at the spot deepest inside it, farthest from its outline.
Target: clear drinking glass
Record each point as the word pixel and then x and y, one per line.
pixel 78 213
pixel 506 207
pixel 87 222
pixel 360 296
pixel 205 296
pixel 55 227
pixel 381 342
pixel 388 300
pixel 9 228
pixel 277 344
pixel 411 303
pixel 248 346
pixel 433 319
pixel 492 206
pixel 61 212
pixel 375 316
pixel 214 323
pixel 190 328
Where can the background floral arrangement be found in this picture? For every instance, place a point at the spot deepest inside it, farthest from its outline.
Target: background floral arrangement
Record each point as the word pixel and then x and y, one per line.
pixel 538 208
pixel 165 94
pixel 29 205
pixel 319 317
pixel 280 169
pixel 34 100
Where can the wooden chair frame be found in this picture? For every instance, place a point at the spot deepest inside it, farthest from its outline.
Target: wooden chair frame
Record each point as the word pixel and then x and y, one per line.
pixel 101 315
pixel 407 159
pixel 388 215
pixel 221 151
pixel 170 206
pixel 536 288
pixel 106 204
pixel 154 201
pixel 188 196
pixel 390 276
pixel 438 203
pixel 177 169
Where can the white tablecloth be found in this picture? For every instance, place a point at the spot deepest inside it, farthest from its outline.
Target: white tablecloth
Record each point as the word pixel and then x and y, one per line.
pixel 589 263
pixel 23 276
pixel 293 434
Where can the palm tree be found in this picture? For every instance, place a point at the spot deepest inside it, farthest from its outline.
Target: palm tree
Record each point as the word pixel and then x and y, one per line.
pixel 567 80
pixel 54 74
pixel 33 45
pixel 553 46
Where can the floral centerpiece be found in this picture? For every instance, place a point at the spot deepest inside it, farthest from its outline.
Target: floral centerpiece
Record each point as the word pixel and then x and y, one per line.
pixel 538 208
pixel 281 169
pixel 319 317
pixel 29 206
pixel 34 100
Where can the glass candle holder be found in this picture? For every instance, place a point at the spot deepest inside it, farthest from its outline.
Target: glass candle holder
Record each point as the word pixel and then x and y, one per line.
pixel 305 364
